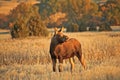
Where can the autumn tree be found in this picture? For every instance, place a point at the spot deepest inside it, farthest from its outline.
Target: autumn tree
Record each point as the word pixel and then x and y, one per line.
pixel 26 21
pixel 82 12
pixel 113 10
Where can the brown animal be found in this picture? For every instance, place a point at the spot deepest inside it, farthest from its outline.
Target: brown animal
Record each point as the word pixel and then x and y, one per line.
pixel 62 47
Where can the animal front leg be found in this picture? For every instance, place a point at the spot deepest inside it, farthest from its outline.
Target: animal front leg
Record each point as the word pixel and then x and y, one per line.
pixel 60 67
pixel 54 64
pixel 60 64
pixel 72 64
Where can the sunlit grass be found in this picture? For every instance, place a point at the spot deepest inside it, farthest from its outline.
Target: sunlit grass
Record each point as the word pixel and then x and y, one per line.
pixel 6 6
pixel 29 58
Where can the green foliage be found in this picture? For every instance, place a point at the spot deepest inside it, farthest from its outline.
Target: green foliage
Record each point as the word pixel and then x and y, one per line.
pixel 3 21
pixel 27 21
pixel 36 27
pixel 75 10
pixel 75 27
pixel 81 11
pixel 19 30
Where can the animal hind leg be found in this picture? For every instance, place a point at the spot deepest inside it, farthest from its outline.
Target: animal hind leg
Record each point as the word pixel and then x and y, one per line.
pixel 72 64
pixel 82 60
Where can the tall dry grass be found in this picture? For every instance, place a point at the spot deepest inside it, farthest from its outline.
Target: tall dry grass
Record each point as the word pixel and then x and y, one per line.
pixel 29 59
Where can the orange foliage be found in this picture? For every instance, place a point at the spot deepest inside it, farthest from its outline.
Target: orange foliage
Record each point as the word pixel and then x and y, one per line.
pixel 58 18
pixel 103 8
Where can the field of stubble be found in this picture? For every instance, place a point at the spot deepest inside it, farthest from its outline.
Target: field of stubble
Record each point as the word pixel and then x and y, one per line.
pixel 29 59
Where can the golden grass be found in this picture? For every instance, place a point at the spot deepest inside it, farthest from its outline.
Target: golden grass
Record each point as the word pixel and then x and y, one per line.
pixel 4 34
pixel 6 6
pixel 29 59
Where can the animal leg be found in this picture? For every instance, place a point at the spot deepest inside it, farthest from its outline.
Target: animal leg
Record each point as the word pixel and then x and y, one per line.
pixel 54 64
pixel 60 67
pixel 82 61
pixel 72 64
pixel 60 64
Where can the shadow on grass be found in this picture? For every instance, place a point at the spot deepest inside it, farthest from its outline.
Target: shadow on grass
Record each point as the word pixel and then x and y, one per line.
pixel 4 33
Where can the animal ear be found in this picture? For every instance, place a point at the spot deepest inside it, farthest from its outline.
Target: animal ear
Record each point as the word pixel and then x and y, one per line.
pixel 62 29
pixel 55 30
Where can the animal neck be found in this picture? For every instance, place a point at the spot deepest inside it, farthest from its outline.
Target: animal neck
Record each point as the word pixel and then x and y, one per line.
pixel 67 39
pixel 54 42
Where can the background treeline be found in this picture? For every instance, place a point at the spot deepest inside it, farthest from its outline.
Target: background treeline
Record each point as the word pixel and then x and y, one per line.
pixel 81 14
pixel 76 15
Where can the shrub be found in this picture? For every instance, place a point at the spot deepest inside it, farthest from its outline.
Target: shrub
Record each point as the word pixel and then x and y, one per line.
pixel 26 21
pixel 75 27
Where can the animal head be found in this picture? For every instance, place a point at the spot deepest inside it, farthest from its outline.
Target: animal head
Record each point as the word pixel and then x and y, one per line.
pixel 59 36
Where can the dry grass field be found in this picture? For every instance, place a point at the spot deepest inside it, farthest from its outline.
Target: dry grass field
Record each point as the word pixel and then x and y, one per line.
pixel 7 5
pixel 29 59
